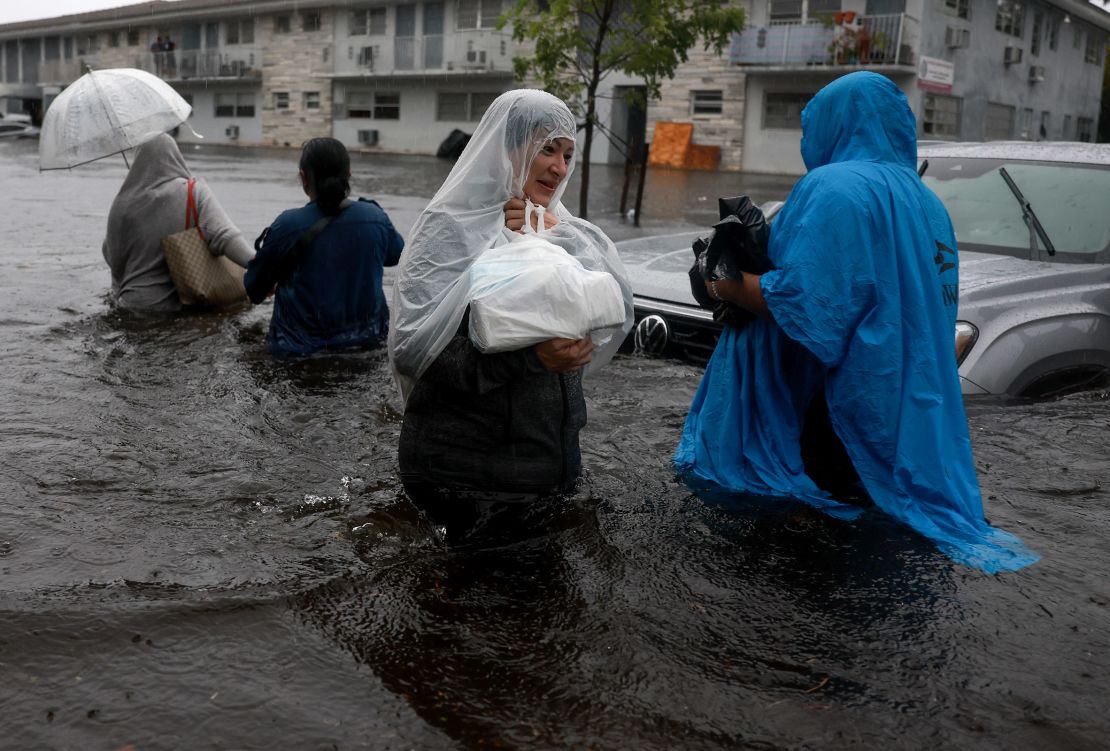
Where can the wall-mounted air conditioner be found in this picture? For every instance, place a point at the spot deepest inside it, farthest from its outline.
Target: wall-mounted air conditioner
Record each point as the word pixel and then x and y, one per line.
pixel 1036 73
pixel 955 38
pixel 1012 55
pixel 232 131
pixel 368 138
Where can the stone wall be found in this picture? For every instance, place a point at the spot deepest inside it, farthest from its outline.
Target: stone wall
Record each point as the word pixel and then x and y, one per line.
pixel 705 71
pixel 293 62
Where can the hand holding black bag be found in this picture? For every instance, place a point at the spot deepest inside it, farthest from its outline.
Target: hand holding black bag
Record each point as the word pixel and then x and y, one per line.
pixel 737 245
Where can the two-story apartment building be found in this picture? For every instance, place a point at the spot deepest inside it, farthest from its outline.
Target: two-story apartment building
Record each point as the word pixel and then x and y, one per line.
pixel 971 69
pixel 398 76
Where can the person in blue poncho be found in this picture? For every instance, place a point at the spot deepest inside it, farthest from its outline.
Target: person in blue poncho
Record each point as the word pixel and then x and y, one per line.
pixel 324 261
pixel 861 305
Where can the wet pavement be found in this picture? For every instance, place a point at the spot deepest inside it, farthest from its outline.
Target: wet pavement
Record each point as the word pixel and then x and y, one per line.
pixel 203 548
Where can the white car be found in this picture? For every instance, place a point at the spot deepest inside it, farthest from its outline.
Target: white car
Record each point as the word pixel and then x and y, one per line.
pixel 15 129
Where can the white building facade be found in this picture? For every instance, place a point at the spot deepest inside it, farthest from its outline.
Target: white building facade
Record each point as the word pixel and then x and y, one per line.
pixel 401 75
pixel 396 77
pixel 971 70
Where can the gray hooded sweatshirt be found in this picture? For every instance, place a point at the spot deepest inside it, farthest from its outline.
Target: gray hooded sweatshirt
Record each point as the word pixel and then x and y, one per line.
pixel 151 205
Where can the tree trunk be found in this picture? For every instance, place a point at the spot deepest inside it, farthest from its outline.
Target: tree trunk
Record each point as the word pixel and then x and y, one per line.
pixel 591 105
pixel 584 189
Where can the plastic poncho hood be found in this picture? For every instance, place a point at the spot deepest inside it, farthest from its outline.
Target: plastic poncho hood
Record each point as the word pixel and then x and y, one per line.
pixel 466 217
pixel 863 300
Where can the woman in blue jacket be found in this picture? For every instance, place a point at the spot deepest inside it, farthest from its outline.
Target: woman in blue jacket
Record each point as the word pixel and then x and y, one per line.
pixel 324 262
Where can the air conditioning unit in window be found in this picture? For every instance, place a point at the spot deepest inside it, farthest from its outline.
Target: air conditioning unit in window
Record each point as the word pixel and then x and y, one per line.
pixel 1012 55
pixel 1036 73
pixel 955 38
pixel 232 131
pixel 368 138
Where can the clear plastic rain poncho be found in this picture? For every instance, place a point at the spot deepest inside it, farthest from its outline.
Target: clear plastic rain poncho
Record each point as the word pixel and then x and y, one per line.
pixel 466 218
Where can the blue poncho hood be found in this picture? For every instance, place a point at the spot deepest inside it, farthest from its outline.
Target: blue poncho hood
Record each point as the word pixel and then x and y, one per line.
pixel 862 117
pixel 863 300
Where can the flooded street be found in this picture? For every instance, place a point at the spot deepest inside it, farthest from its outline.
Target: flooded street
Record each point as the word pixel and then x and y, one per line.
pixel 203 548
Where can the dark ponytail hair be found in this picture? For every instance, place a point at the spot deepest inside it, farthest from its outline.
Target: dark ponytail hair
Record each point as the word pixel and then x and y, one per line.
pixel 326 165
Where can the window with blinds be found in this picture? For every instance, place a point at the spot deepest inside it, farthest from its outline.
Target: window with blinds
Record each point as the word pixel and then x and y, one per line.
pixel 941 118
pixel 784 109
pixel 477 14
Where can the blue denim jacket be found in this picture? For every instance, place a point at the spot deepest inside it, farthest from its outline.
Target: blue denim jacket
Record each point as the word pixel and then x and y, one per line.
pixel 333 297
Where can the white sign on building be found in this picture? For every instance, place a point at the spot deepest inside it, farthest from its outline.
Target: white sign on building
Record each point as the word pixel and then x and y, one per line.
pixel 934 74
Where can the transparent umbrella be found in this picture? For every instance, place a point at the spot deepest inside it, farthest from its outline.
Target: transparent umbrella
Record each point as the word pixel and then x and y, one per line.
pixel 106 112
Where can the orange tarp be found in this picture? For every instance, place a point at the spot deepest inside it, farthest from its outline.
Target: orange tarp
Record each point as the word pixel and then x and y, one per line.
pixel 672 146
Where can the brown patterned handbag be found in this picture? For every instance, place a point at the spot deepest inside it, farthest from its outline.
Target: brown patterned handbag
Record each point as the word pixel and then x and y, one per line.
pixel 200 277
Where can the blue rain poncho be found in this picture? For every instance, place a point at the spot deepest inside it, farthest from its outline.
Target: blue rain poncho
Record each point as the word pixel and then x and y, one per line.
pixel 863 301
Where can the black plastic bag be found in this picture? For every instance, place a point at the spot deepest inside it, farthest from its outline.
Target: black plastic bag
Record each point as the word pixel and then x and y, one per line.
pixel 738 244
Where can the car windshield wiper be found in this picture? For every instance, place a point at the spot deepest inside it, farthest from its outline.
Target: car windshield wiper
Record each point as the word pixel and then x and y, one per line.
pixel 1027 214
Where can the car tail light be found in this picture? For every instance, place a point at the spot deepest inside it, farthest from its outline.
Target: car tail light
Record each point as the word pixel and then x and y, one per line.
pixel 966 334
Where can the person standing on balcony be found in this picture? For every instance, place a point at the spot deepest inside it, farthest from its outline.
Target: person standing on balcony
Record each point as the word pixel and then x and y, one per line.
pixel 860 305
pixel 486 432
pixel 151 205
pixel 156 49
pixel 323 262
pixel 169 48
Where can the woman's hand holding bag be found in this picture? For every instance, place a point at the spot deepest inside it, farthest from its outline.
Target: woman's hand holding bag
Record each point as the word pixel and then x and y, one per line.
pixel 516 209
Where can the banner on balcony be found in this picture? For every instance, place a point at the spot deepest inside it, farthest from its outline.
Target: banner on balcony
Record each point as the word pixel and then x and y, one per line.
pixel 934 74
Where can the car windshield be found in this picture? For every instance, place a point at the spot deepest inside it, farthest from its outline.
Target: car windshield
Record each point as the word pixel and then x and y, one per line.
pixel 1069 199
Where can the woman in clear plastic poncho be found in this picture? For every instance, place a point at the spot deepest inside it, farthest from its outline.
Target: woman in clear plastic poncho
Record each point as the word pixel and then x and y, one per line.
pixel 503 424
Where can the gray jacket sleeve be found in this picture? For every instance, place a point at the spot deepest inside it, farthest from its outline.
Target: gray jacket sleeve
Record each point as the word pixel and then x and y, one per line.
pixel 224 238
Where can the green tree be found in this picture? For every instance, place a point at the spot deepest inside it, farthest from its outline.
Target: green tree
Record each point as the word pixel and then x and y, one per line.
pixel 578 43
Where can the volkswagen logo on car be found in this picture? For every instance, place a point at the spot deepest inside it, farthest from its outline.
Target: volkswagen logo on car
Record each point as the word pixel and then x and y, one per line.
pixel 651 335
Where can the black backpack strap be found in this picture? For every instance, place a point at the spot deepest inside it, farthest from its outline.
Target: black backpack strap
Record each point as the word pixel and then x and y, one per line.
pixel 293 260
pixel 261 239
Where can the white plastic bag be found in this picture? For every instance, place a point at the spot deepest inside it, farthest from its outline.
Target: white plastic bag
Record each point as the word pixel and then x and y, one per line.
pixel 530 290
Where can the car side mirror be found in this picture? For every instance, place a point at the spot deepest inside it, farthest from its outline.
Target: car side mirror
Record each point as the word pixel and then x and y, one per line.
pixel 770 208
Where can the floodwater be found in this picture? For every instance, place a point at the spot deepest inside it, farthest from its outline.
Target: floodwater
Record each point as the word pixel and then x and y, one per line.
pixel 203 548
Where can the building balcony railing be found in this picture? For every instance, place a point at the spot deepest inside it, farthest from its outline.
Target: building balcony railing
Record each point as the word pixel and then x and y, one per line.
pixel 242 62
pixel 476 51
pixel 878 40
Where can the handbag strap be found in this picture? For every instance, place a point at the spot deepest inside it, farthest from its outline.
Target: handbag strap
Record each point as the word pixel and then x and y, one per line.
pixel 293 260
pixel 191 212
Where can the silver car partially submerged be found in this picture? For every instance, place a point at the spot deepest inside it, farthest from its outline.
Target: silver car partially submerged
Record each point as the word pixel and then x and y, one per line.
pixel 1033 225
